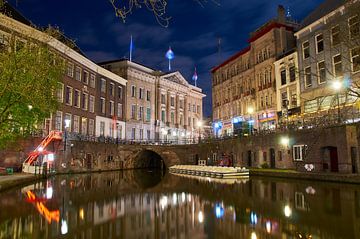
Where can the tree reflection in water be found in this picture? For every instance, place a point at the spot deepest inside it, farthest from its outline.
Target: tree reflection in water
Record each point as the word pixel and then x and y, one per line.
pixel 148 204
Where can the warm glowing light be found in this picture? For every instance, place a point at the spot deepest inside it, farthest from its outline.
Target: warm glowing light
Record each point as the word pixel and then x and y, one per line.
pixel 40 149
pixel 50 157
pixel 336 85
pixel 30 107
pixel 174 199
pixel 81 213
pixel 174 133
pixel 182 134
pixel 285 141
pixel 199 124
pixel 250 110
pixel 287 211
pixel 201 217
pixel 253 235
pixel 183 197
pixel 163 202
pixel 164 132
pixel 268 227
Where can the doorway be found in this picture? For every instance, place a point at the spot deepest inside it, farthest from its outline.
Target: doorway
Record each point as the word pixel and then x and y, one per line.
pixel 249 158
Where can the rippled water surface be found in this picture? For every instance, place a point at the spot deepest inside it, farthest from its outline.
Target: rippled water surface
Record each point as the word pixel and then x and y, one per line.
pixel 150 204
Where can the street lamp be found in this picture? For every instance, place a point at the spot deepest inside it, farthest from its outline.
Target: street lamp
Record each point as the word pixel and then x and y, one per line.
pixel 199 125
pixel 250 111
pixel 67 125
pixel 337 85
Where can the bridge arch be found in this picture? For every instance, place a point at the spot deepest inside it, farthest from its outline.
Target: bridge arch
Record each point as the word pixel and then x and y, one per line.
pixel 154 158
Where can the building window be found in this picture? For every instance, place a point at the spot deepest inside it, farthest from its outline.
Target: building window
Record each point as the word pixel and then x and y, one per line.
pixel 148 114
pixel 148 134
pixel 102 128
pixel 354 27
pixel 141 134
pixel 321 72
pixel 189 121
pixel 284 100
pixel 162 99
pixel 84 101
pixel 133 111
pixel 103 85
pixel 58 120
pixel 91 127
pixel 119 110
pixel 172 101
pixel 92 80
pixel 120 93
pixel 102 105
pixel 319 43
pixel 112 89
pixel 141 93
pixel 141 112
pixel 163 116
pixel 84 126
pixel 189 107
pixel 60 92
pixel 76 124
pixel 335 35
pixel 111 105
pixel 181 104
pixel 86 77
pixel 308 77
pixel 283 77
pixel 148 95
pixel 92 104
pixel 181 119
pixel 133 91
pixel 133 132
pixel 310 106
pixel 68 96
pixel 77 98
pixel 119 131
pixel 292 73
pixel 198 109
pixel 306 50
pixel 78 73
pixel 355 59
pixel 70 69
pixel 299 152
pixel 337 66
pixel 111 130
pixel 194 108
pixel 172 117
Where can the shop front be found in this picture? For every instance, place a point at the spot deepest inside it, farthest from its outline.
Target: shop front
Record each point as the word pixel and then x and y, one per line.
pixel 267 120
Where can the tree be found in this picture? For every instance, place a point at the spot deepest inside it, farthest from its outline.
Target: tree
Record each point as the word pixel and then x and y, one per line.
pixel 29 77
pixel 157 7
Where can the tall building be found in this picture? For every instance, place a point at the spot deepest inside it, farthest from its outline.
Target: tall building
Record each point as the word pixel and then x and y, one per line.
pixel 79 91
pixel 159 106
pixel 287 86
pixel 328 45
pixel 243 87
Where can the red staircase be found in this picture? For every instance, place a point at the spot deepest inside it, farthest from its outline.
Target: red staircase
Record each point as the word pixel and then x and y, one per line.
pixel 53 136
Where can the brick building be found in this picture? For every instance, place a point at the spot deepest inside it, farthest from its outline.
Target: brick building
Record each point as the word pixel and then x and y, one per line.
pixel 244 91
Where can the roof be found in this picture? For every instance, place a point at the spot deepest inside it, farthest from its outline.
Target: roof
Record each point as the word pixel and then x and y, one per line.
pixel 10 11
pixel 242 52
pixel 124 60
pixel 323 9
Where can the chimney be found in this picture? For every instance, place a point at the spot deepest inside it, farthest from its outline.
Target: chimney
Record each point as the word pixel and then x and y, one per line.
pixel 281 14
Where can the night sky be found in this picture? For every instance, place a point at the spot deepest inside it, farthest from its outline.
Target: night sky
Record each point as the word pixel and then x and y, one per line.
pixel 193 32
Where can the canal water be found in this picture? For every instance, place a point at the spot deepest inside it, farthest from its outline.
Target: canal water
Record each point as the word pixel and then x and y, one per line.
pixel 150 204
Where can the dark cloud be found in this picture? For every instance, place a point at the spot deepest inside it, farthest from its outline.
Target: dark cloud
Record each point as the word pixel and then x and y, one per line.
pixel 193 32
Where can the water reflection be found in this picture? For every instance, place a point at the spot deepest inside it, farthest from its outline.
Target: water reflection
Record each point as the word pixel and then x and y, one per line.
pixel 126 205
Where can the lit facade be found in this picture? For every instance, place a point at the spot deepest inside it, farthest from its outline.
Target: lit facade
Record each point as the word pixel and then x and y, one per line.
pixel 244 90
pixel 328 50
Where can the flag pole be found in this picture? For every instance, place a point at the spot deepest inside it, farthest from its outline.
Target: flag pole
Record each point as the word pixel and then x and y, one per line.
pixel 131 47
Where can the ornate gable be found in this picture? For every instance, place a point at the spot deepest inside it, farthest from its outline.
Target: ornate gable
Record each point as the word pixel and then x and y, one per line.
pixel 176 78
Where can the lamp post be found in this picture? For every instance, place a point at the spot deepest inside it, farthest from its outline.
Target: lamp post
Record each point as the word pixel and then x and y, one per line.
pixel 250 111
pixel 199 125
pixel 337 86
pixel 67 125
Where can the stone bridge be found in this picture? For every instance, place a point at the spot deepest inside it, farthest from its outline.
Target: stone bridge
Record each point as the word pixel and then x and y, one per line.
pixel 94 156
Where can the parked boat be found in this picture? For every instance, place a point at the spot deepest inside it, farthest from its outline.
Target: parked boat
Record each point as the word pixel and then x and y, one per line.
pixel 210 171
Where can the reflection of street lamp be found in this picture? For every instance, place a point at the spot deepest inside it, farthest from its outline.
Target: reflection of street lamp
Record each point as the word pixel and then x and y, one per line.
pixel 337 86
pixel 199 125
pixel 250 111
pixel 287 211
pixel 67 125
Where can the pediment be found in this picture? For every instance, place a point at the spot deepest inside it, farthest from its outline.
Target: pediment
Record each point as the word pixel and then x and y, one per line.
pixel 176 78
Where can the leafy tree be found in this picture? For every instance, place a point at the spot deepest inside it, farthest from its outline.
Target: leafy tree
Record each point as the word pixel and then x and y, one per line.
pixel 29 76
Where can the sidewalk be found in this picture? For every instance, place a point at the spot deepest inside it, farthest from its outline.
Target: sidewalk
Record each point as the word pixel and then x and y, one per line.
pixel 9 181
pixel 292 174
